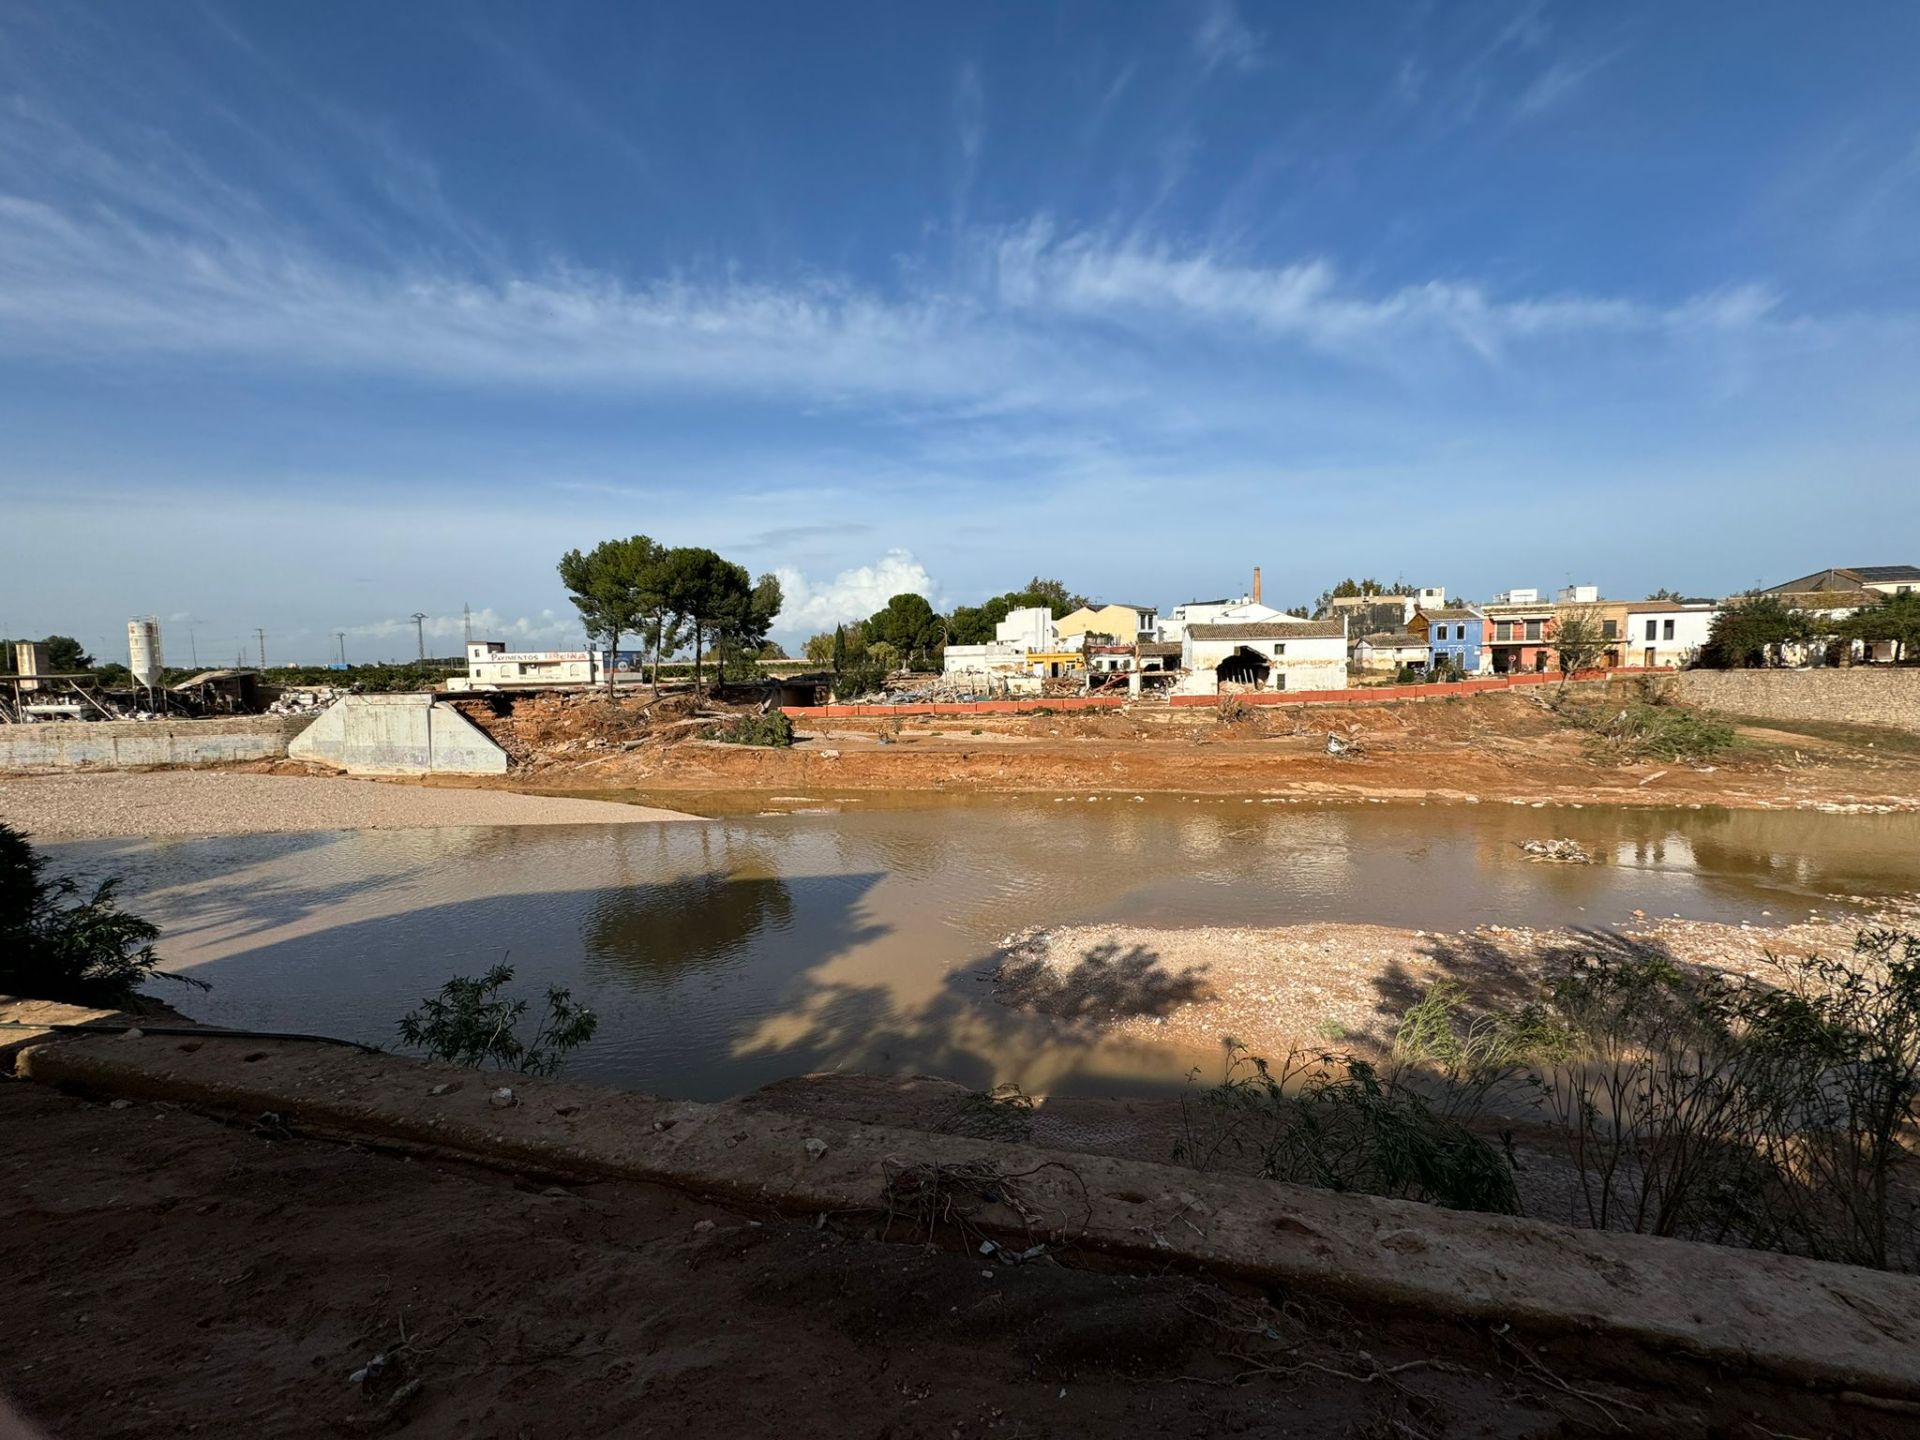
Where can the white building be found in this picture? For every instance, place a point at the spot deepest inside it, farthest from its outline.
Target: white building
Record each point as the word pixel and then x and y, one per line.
pixel 1526 596
pixel 1016 640
pixel 993 658
pixel 491 666
pixel 1667 633
pixel 1389 650
pixel 1290 654
pixel 1028 629
pixel 1578 595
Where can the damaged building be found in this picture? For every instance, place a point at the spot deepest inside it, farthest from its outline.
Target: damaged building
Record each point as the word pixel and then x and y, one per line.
pixel 1236 657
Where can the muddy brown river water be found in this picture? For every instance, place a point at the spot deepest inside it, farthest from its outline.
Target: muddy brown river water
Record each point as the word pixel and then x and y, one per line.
pixel 855 935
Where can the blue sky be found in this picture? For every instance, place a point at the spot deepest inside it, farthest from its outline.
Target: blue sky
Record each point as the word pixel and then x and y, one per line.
pixel 315 316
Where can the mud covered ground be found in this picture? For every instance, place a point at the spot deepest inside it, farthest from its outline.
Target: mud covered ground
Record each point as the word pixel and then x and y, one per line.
pixel 1486 747
pixel 165 1274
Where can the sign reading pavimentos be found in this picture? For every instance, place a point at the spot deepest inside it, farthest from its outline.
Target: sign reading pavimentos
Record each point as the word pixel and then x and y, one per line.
pixel 533 657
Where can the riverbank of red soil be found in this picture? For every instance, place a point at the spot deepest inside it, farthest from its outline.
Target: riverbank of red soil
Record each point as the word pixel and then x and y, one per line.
pixel 1493 747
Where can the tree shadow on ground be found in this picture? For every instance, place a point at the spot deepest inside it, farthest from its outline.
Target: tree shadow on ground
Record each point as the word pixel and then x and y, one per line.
pixel 1502 972
pixel 961 1034
pixel 1107 982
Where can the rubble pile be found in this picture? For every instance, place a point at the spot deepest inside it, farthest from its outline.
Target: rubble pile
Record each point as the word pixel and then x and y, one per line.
pixel 1562 852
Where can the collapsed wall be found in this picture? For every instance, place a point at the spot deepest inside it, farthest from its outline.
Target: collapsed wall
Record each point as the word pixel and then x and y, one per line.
pixel 398 735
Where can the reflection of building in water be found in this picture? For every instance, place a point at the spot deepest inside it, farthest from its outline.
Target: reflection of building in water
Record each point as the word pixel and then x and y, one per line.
pixel 1667 850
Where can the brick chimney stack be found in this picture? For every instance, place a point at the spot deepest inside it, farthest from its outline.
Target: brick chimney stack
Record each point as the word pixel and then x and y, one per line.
pixel 1256 584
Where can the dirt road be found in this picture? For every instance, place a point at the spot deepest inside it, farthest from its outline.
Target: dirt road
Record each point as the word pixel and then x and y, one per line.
pixel 164 1274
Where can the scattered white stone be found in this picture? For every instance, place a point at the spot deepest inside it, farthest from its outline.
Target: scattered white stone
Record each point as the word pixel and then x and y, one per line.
pixel 816 1148
pixel 503 1098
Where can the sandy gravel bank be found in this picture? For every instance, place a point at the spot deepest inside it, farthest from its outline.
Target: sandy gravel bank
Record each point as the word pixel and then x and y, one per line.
pixel 1341 985
pixel 213 802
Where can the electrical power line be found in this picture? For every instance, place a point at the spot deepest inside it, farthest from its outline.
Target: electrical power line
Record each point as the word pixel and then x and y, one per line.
pixel 341 636
pixel 419 618
pixel 261 632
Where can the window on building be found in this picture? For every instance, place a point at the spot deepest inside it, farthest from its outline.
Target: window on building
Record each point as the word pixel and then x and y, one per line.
pixel 1533 629
pixel 1666 629
pixel 1652 628
pixel 1503 630
pixel 1609 630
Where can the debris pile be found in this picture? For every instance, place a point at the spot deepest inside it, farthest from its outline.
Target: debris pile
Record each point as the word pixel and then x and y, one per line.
pixel 305 700
pixel 1562 852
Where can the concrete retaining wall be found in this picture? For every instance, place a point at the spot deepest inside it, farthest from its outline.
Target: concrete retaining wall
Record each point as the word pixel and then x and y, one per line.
pixel 1858 696
pixel 1788 1319
pixel 66 745
pixel 399 735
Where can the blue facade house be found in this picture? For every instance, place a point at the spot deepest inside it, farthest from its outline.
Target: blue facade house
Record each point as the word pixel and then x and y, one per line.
pixel 1455 637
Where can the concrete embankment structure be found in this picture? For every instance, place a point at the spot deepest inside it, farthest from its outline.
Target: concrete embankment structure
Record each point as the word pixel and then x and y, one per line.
pixel 398 735
pixel 1836 1327
pixel 127 744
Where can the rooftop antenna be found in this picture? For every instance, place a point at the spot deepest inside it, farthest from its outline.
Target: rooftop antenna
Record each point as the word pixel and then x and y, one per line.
pixel 419 618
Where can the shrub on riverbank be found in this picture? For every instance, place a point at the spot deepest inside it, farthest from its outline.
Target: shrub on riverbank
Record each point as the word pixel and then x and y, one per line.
pixel 58 942
pixel 1777 1113
pixel 471 1023
pixel 772 729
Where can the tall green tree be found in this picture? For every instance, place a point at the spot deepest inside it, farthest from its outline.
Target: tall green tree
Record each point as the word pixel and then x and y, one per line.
pixel 705 591
pixel 609 586
pixel 1895 620
pixel 1753 631
pixel 910 626
pixel 741 632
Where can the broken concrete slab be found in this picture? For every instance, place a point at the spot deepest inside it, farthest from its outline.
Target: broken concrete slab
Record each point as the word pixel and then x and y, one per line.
pixel 1795 1320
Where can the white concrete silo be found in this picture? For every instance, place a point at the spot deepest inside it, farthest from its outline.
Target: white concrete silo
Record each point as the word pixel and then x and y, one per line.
pixel 143 651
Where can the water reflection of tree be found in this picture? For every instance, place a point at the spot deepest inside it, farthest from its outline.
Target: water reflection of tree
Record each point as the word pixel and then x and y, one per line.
pixel 657 932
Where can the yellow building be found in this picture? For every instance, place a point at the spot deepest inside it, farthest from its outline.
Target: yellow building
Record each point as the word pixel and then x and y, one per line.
pixel 1123 624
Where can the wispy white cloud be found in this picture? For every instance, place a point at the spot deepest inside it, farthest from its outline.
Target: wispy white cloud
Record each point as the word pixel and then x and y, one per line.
pixel 1223 37
pixel 1131 278
pixel 853 594
pixel 1558 82
pixel 92 283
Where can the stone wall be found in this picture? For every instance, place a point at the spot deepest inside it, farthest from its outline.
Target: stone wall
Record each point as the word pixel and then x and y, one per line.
pixel 122 744
pixel 1858 696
